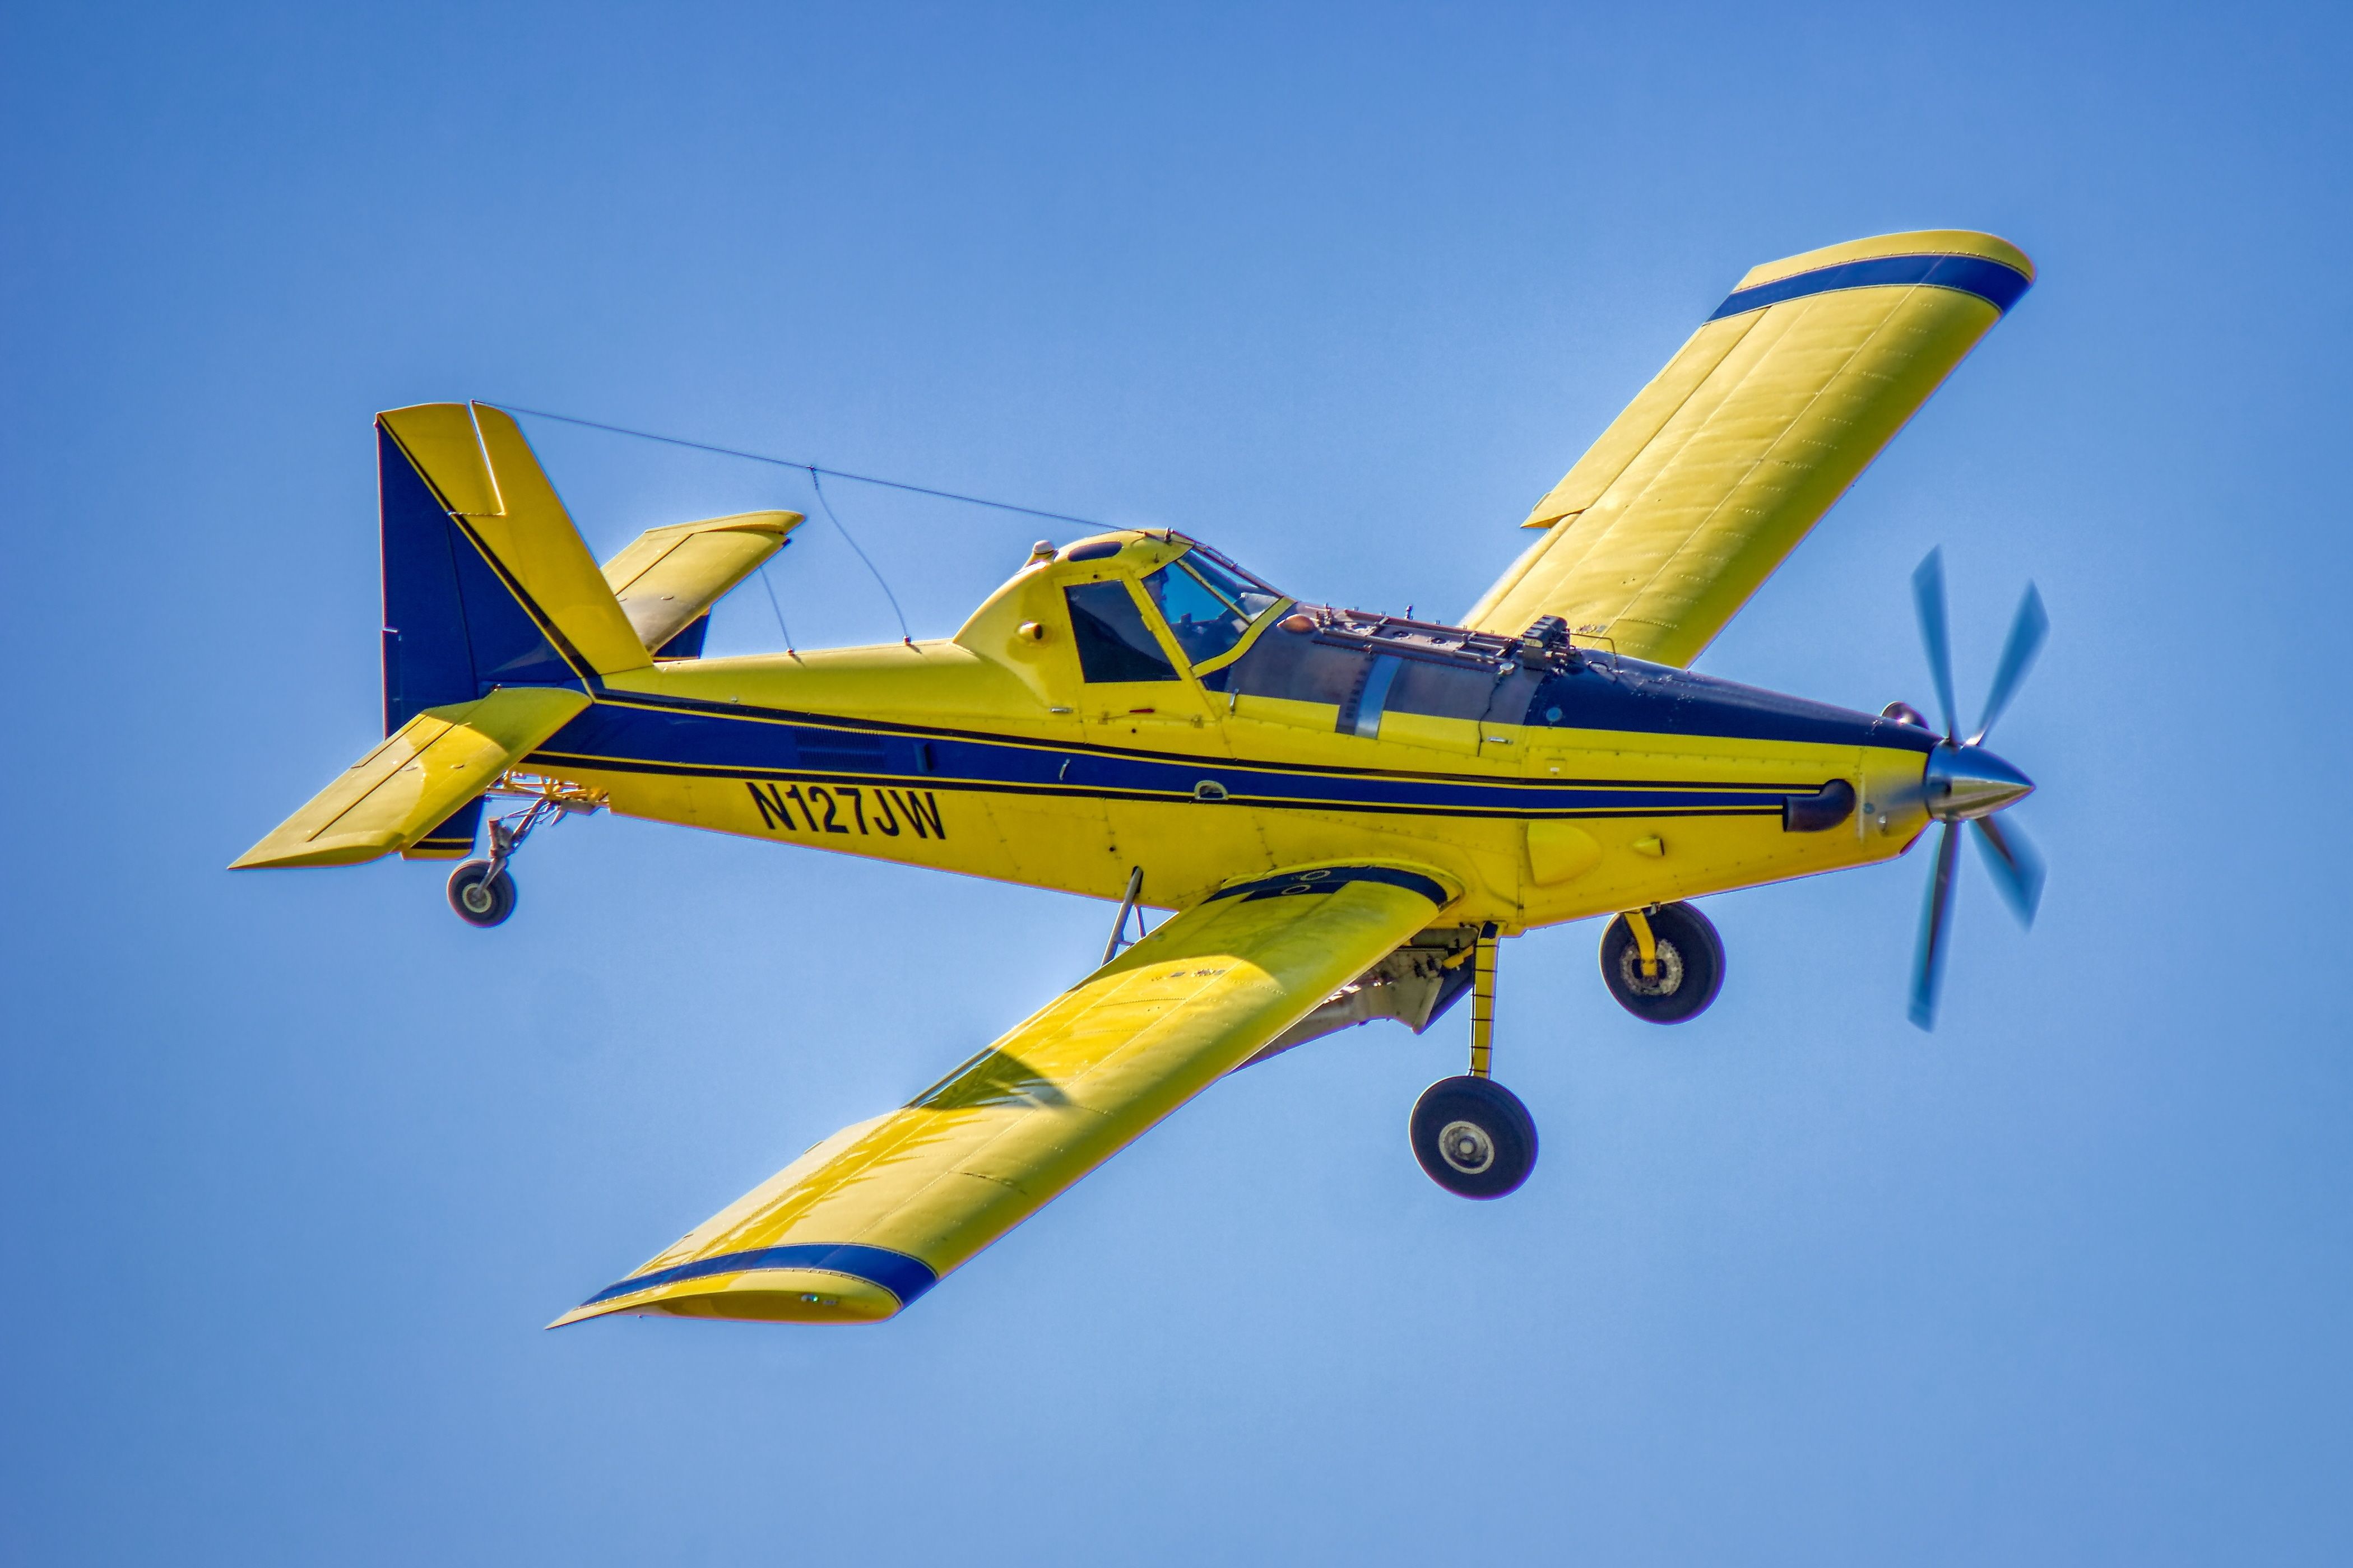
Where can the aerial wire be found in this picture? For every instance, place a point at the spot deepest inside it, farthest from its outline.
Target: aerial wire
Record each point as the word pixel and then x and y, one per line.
pixel 786 630
pixel 812 468
pixel 817 485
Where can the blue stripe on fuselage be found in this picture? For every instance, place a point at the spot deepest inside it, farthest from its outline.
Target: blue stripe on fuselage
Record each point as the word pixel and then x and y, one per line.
pixel 623 737
pixel 628 733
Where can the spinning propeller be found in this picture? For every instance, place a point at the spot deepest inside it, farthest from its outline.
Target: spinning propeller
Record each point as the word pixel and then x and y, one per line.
pixel 1963 782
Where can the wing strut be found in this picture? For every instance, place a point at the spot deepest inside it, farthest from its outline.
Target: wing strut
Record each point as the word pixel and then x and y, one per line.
pixel 1127 905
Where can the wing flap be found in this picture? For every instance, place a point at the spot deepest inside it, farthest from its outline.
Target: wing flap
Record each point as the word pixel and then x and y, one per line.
pixel 424 770
pixel 872 1216
pixel 668 576
pixel 1715 472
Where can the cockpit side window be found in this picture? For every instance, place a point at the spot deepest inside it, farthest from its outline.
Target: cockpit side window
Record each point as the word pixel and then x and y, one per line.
pixel 1114 642
pixel 1207 607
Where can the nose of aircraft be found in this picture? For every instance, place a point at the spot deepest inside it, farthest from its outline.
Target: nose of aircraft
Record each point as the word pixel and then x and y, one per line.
pixel 1964 781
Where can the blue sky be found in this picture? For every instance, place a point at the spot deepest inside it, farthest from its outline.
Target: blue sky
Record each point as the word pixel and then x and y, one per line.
pixel 297 1164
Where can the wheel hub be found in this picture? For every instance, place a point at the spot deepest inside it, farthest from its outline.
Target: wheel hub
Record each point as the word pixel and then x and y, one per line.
pixel 1465 1146
pixel 476 897
pixel 1665 983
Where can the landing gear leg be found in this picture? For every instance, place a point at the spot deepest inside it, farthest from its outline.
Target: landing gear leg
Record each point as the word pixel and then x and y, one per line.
pixel 1482 1001
pixel 483 891
pixel 1470 1134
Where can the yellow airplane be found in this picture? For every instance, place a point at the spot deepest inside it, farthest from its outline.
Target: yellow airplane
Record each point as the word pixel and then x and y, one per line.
pixel 1345 811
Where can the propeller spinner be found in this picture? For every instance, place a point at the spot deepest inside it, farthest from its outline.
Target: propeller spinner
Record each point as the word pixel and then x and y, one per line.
pixel 1963 782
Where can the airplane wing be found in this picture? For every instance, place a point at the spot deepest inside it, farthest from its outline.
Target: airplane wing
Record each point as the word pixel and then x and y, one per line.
pixel 1687 502
pixel 424 770
pixel 871 1218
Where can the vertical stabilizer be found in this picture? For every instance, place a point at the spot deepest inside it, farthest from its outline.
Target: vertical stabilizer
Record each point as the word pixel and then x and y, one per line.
pixel 486 581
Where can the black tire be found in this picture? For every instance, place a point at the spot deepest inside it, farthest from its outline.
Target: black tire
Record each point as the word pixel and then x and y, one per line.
pixel 479 898
pixel 1691 965
pixel 1473 1137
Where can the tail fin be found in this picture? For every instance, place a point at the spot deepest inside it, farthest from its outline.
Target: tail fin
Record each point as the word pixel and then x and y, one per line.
pixel 497 624
pixel 486 581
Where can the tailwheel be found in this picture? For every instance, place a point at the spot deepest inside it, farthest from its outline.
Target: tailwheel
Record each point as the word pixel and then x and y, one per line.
pixel 1663 964
pixel 1473 1137
pixel 483 892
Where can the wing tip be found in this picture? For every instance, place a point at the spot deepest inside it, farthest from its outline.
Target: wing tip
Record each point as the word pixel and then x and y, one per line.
pixel 821 1283
pixel 1911 242
pixel 285 851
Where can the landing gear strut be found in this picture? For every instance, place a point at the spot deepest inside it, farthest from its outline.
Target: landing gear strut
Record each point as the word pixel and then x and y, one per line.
pixel 1471 1134
pixel 483 891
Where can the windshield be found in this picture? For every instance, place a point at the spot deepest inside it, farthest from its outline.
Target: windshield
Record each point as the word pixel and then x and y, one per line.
pixel 1208 602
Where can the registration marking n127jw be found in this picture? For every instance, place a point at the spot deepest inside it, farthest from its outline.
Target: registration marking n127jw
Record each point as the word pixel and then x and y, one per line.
pixel 845 808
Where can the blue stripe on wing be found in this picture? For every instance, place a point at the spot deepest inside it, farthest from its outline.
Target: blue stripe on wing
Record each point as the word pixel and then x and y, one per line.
pixel 1996 284
pixel 904 1276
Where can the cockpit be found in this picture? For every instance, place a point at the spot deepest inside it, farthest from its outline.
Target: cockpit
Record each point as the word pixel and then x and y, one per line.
pixel 1352 670
pixel 1207 604
pixel 1208 601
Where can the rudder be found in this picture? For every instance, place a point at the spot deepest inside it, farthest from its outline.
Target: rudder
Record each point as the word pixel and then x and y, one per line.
pixel 486 581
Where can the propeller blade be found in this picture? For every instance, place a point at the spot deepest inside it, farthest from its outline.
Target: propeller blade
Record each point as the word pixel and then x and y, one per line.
pixel 1928 966
pixel 1928 597
pixel 2017 869
pixel 2027 630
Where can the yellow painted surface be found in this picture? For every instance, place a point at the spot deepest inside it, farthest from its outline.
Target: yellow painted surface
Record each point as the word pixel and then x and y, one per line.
pixel 1657 536
pixel 475 458
pixel 667 576
pixel 1560 852
pixel 992 680
pixel 1710 476
pixel 946 1175
pixel 1088 844
pixel 424 770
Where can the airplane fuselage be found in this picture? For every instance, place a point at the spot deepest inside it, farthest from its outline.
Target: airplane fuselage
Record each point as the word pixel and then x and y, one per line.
pixel 1551 781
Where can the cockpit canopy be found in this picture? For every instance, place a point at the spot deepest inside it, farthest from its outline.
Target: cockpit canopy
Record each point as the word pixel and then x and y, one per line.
pixel 1207 604
pixel 1208 601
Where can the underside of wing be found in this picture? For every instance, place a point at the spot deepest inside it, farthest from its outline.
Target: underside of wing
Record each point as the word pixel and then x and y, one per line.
pixel 1712 476
pixel 870 1219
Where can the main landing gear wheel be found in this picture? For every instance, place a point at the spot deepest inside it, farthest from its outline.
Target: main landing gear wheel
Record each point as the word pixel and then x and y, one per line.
pixel 1686 975
pixel 1473 1136
pixel 481 892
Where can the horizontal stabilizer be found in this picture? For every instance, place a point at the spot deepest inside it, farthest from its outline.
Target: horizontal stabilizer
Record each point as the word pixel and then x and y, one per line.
pixel 411 783
pixel 668 576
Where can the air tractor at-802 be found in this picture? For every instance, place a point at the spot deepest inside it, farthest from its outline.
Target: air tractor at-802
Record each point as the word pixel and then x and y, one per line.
pixel 1342 813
